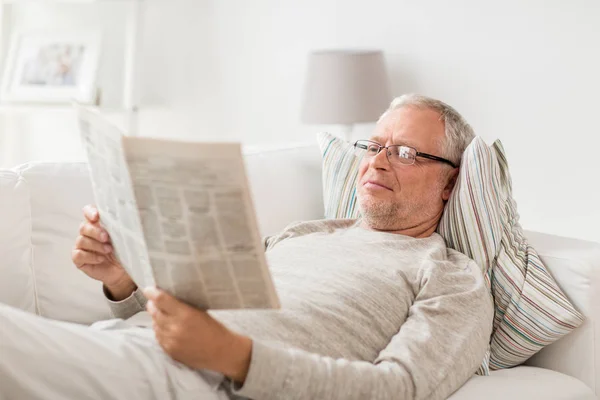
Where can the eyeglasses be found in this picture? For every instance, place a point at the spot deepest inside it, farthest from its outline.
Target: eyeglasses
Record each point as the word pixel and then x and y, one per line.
pixel 396 153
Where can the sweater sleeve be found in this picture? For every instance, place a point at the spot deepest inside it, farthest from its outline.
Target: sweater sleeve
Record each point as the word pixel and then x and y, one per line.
pixel 437 349
pixel 128 307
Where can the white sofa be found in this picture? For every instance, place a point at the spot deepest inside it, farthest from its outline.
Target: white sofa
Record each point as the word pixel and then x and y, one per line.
pixel 40 211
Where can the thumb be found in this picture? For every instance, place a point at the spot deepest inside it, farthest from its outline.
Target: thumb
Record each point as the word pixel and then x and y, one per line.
pixel 91 213
pixel 162 300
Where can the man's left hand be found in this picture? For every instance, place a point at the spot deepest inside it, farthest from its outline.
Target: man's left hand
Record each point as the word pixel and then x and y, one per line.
pixel 194 338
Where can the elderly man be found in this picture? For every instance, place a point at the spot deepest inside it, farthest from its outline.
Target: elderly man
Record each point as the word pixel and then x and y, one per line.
pixel 375 308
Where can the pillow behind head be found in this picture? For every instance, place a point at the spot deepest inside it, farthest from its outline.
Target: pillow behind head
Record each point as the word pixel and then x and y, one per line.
pixel 481 221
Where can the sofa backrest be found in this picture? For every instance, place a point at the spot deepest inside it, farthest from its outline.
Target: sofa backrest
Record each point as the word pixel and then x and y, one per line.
pixel 286 185
pixel 40 214
pixel 16 276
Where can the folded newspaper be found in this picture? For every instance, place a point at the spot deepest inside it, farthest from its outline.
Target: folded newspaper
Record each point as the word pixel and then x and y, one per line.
pixel 179 215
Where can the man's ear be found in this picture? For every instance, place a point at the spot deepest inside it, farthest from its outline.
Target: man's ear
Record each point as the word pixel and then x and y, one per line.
pixel 450 185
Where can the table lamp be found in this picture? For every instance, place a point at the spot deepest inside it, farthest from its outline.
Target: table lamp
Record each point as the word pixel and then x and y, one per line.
pixel 345 87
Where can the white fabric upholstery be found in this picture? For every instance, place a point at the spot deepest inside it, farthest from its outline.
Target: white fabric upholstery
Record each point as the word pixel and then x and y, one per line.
pixel 40 210
pixel 57 192
pixel 285 185
pixel 575 264
pixel 524 383
pixel 16 277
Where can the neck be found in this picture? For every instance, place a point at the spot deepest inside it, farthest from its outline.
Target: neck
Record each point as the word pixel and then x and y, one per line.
pixel 421 229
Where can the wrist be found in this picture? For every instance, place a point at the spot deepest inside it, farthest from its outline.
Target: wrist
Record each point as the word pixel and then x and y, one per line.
pixel 120 291
pixel 239 357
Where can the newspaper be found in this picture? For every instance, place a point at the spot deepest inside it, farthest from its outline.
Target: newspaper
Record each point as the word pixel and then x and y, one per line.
pixel 179 215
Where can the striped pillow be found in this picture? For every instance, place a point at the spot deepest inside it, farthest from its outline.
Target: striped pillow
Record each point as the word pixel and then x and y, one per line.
pixel 340 172
pixel 481 221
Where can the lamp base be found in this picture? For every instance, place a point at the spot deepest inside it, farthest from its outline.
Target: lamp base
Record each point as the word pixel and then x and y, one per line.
pixel 345 132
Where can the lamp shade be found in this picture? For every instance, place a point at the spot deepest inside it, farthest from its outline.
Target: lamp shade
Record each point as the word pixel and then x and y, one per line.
pixel 345 87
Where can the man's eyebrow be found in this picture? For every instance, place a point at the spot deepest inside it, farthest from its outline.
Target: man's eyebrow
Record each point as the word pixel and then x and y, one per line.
pixel 401 142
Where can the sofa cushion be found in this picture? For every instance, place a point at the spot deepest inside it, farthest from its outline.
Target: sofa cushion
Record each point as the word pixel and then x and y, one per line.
pixel 58 191
pixel 16 279
pixel 524 383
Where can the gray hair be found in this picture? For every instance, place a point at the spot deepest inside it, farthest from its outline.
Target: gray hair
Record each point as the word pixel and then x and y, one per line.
pixel 458 132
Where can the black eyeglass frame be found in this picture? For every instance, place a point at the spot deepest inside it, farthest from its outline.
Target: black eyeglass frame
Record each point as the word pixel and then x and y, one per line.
pixel 417 153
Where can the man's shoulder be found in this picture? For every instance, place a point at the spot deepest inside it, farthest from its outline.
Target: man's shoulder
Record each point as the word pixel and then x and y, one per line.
pixel 451 261
pixel 465 272
pixel 457 257
pixel 459 274
pixel 454 257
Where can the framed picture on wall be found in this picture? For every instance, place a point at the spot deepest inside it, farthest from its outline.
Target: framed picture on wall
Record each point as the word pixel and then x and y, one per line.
pixel 51 67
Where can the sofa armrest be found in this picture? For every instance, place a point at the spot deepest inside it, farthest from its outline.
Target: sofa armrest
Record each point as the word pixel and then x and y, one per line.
pixel 575 264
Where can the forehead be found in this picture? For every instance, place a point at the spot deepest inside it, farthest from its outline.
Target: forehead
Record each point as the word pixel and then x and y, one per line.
pixel 417 127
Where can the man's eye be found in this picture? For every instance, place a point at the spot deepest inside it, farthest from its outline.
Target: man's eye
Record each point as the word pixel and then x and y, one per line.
pixel 372 149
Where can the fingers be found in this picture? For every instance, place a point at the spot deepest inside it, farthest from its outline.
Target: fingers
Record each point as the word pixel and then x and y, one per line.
pixel 90 212
pixel 162 323
pixel 93 231
pixel 82 257
pixel 85 243
pixel 164 302
pixel 158 316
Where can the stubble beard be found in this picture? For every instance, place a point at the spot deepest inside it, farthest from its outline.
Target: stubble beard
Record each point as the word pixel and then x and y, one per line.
pixel 389 215
pixel 381 215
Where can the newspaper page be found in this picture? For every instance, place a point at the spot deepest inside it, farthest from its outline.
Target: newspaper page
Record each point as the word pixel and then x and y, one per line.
pixel 192 228
pixel 114 195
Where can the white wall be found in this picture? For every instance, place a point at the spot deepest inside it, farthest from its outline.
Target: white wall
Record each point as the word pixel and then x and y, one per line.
pixel 522 71
pixel 50 133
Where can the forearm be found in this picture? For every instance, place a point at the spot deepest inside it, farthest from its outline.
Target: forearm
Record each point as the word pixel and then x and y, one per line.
pixel 277 372
pixel 430 358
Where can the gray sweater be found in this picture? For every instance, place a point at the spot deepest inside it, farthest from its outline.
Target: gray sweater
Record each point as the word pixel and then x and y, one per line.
pixel 365 315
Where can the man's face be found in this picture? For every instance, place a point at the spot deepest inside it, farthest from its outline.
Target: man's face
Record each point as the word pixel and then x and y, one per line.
pixel 403 196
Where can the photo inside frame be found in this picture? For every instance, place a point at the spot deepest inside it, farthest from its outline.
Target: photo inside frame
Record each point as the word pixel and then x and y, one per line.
pixel 55 64
pixel 52 68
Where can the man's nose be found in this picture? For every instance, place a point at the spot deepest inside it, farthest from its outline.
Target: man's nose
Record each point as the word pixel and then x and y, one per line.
pixel 380 161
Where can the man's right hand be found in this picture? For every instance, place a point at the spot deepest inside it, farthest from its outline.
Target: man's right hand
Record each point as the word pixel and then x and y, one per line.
pixel 93 254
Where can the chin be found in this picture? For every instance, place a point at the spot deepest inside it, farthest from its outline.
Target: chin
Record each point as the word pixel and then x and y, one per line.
pixel 371 206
